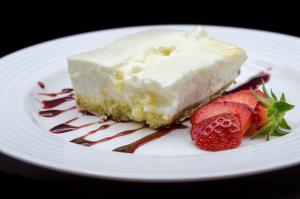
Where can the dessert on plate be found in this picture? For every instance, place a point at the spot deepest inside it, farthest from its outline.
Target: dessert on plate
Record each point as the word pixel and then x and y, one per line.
pixel 154 76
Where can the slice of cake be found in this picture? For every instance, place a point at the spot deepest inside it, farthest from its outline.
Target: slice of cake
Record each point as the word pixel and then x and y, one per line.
pixel 154 76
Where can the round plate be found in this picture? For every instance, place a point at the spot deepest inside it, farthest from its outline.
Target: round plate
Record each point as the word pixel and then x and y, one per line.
pixel 25 135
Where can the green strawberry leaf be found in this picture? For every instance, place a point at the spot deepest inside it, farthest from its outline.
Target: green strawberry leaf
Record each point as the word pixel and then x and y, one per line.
pixel 281 132
pixel 282 98
pixel 265 90
pixel 263 100
pixel 284 124
pixel 273 95
pixel 271 112
pixel 263 131
pixel 282 107
pixel 276 111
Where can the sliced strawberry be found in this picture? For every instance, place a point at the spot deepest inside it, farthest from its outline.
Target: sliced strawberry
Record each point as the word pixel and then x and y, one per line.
pixel 246 97
pixel 243 97
pixel 219 132
pixel 245 114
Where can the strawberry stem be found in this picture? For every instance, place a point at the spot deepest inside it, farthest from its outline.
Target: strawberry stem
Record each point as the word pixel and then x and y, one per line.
pixel 277 125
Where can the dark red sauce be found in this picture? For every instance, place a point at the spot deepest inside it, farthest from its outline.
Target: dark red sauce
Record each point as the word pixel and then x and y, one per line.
pixel 65 127
pixel 82 141
pixel 54 112
pixel 253 82
pixel 71 120
pixel 47 104
pixel 130 148
pixel 63 91
pixel 41 85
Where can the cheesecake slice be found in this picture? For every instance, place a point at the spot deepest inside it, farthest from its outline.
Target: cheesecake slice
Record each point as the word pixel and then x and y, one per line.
pixel 154 76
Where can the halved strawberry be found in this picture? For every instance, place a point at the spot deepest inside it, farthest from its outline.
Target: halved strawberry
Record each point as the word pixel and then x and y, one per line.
pixel 219 132
pixel 243 97
pixel 245 114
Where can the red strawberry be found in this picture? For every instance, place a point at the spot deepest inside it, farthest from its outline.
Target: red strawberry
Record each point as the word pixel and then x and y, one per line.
pixel 252 129
pixel 219 132
pixel 262 114
pixel 243 97
pixel 261 93
pixel 245 114
pixel 260 119
pixel 246 97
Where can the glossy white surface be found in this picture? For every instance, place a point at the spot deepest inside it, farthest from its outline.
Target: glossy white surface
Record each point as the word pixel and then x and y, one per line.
pixel 24 135
pixel 178 68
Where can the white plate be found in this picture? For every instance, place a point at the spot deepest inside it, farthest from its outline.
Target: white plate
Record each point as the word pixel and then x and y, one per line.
pixel 24 135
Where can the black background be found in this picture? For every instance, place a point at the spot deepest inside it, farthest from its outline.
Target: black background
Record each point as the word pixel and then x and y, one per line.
pixel 25 25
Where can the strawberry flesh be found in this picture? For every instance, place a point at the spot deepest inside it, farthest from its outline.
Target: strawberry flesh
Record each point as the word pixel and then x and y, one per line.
pixel 246 97
pixel 243 97
pixel 242 111
pixel 262 115
pixel 219 132
pixel 260 119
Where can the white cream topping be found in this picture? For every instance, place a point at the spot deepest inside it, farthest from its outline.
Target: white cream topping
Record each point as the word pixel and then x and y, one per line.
pixel 180 67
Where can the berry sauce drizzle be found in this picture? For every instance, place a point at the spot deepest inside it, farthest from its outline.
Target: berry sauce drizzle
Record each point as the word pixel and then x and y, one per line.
pixel 82 141
pixel 41 84
pixel 48 104
pixel 54 112
pixel 66 127
pixel 130 148
pixel 253 82
pixel 63 91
